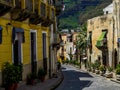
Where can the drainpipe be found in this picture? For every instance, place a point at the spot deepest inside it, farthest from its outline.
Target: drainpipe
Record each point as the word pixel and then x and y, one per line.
pixel 118 33
pixel 113 51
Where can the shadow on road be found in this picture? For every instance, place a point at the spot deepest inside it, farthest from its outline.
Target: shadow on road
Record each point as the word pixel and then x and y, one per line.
pixel 75 80
pixel 63 68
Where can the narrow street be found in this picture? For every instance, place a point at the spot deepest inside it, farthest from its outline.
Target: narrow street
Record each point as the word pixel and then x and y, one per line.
pixel 75 79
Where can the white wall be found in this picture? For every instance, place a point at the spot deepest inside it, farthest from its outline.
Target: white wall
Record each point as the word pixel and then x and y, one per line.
pixel 108 9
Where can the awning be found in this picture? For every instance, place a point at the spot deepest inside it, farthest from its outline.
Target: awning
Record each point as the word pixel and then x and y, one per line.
pixel 99 41
pixel 84 58
pixel 1 28
pixel 17 30
pixel 89 39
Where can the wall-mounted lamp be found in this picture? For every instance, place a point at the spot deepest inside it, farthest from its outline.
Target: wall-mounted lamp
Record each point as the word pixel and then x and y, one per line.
pixel 7 25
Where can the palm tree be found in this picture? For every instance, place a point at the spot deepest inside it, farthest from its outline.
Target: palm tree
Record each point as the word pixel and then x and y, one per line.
pixel 81 43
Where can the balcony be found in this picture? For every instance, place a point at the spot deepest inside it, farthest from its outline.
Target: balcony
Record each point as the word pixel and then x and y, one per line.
pixel 56 38
pixel 56 41
pixel 22 9
pixel 39 12
pixel 50 16
pixel 5 6
pixel 58 5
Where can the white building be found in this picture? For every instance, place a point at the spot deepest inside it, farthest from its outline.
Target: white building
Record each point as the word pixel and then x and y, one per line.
pixel 108 9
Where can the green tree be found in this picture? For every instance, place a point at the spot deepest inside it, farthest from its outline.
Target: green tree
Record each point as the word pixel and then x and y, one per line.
pixel 81 43
pixel 82 38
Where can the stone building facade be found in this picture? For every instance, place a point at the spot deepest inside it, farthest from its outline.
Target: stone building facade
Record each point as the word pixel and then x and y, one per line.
pixel 100 39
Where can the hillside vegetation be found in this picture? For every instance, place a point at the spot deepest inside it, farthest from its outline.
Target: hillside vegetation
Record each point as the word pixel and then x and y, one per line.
pixel 78 11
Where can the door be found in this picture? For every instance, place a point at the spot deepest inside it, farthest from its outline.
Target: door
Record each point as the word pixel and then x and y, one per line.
pixel 105 57
pixel 33 53
pixel 17 49
pixel 115 58
pixel 44 51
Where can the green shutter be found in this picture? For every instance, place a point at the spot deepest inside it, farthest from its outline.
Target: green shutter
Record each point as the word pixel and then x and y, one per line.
pixel 99 41
pixel 89 39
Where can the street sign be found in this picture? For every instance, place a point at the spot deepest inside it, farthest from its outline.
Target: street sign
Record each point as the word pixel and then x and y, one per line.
pixel 118 39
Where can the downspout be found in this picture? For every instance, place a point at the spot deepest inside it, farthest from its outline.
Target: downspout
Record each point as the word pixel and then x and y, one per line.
pixel 113 51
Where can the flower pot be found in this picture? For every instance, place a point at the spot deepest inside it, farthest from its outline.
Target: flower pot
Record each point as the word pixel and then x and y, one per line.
pixel 15 86
pixel 108 74
pixel 32 82
pixel 101 73
pixel 42 78
pixel 9 87
pixel 118 77
pixel 89 69
pixel 93 70
pixel 97 71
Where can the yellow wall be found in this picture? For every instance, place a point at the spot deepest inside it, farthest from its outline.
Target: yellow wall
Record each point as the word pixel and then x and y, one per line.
pixel 6 46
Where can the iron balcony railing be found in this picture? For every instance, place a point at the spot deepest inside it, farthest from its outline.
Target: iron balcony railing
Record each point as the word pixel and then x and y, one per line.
pixel 29 5
pixel 42 9
pixel 52 13
pixel 21 10
pixel 7 2
pixel 50 16
pixel 19 4
pixel 24 4
pixel 5 6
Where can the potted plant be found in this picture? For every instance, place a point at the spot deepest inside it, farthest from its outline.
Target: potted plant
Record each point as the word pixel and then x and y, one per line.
pixel 41 74
pixel 118 72
pixel 31 79
pixel 88 66
pixel 11 75
pixel 18 74
pixel 97 65
pixel 109 73
pixel 93 67
pixel 102 69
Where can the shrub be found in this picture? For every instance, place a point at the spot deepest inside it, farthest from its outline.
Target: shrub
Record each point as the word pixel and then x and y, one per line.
pixel 102 68
pixel 110 69
pixel 88 64
pixel 11 73
pixel 97 64
pixel 118 71
pixel 67 61
pixel 30 78
pixel 93 65
pixel 118 66
pixel 41 72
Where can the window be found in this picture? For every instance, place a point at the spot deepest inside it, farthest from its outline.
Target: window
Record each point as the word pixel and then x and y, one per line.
pixel 0 34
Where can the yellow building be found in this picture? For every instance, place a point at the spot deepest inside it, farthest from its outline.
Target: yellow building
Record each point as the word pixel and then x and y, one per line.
pixel 25 33
pixel 68 45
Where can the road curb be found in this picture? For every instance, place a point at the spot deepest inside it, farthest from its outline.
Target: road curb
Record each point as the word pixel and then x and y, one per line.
pixel 58 82
pixel 114 80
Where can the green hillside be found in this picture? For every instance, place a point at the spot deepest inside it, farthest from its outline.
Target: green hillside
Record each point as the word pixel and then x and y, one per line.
pixel 78 11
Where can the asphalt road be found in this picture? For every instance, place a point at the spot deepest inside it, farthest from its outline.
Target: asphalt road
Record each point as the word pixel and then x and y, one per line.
pixel 75 79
